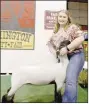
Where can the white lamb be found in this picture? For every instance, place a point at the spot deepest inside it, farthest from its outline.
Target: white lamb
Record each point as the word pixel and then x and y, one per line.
pixel 38 75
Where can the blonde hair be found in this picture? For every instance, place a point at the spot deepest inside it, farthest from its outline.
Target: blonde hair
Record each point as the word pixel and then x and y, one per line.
pixel 57 25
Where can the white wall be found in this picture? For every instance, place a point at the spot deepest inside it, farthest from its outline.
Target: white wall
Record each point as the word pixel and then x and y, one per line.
pixel 12 59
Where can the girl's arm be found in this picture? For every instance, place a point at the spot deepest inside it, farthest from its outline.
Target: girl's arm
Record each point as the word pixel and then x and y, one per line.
pixel 76 42
pixel 79 38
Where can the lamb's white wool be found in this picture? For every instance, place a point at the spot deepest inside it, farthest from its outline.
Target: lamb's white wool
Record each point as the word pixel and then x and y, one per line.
pixel 40 74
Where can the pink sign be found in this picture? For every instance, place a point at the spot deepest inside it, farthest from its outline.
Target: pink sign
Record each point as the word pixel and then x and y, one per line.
pixel 49 19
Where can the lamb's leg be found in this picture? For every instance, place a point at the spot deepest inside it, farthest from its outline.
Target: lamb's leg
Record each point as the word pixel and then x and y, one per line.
pixel 16 82
pixel 14 89
pixel 10 95
pixel 59 86
pixel 58 97
pixel 8 90
pixel 6 99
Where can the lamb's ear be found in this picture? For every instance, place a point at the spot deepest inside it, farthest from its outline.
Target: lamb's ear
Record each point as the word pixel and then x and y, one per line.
pixel 68 42
pixel 57 53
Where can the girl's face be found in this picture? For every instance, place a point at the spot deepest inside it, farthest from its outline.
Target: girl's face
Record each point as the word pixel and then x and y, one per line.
pixel 62 18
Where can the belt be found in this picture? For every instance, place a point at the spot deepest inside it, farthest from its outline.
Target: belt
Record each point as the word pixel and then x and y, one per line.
pixel 76 51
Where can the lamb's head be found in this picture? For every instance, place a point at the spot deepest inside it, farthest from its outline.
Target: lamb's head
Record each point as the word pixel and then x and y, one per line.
pixel 62 44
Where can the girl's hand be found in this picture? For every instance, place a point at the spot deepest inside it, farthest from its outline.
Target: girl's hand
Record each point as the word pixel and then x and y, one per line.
pixel 63 51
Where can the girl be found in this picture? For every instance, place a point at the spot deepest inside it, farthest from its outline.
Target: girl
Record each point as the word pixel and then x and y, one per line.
pixel 66 30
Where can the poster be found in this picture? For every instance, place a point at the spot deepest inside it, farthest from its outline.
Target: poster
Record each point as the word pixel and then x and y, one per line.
pixel 50 19
pixel 17 24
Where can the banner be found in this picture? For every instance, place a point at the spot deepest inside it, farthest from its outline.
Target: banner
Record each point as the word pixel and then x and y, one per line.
pixel 16 40
pixel 17 24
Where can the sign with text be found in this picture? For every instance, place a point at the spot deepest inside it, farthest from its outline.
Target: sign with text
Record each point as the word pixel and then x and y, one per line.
pixel 49 19
pixel 17 24
pixel 16 39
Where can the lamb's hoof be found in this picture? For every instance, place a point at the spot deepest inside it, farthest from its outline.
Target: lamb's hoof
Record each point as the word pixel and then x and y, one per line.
pixel 53 101
pixel 58 98
pixel 57 101
pixel 5 100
